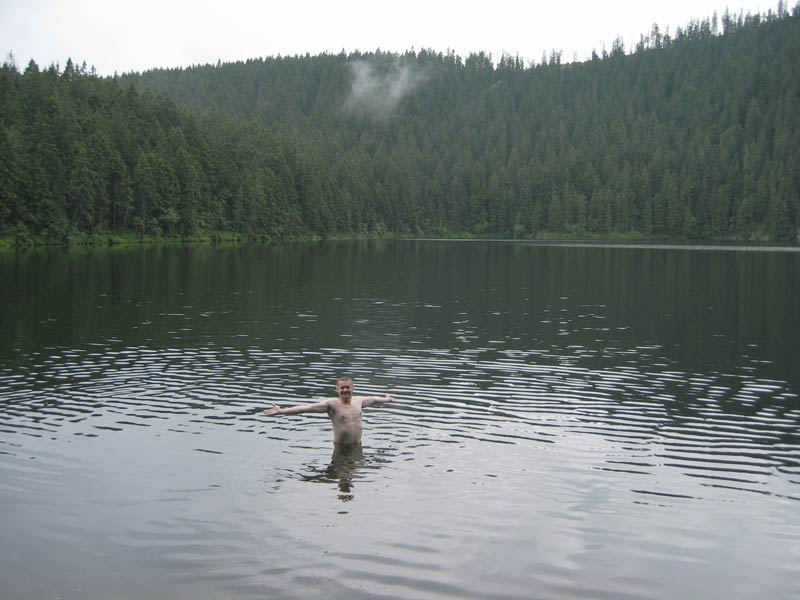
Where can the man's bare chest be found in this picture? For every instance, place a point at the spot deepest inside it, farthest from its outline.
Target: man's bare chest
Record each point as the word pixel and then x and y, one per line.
pixel 345 413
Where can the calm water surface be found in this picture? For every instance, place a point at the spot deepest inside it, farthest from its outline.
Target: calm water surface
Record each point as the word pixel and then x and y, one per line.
pixel 572 422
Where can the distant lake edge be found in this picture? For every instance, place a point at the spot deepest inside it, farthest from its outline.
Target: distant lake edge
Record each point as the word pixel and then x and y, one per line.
pixel 100 242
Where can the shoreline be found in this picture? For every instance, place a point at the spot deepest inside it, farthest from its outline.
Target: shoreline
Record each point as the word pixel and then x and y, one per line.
pixel 104 241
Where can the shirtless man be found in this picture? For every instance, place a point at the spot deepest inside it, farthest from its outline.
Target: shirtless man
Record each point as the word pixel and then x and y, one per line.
pixel 344 411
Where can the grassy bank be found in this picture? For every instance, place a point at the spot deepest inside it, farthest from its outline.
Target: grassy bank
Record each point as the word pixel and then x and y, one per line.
pixel 104 240
pixel 10 243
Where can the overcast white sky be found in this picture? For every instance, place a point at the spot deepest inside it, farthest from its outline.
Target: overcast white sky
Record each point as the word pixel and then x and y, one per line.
pixel 135 35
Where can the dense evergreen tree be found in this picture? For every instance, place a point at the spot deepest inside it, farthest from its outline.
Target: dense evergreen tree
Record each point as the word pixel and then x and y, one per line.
pixel 692 135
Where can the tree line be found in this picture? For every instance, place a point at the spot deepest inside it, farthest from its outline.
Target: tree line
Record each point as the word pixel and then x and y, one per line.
pixel 691 135
pixel 80 153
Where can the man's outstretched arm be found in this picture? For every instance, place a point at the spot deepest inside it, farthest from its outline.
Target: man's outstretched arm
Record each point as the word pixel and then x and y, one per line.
pixel 318 407
pixel 370 400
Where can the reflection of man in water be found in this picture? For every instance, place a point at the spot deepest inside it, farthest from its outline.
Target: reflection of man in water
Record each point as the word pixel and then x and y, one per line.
pixel 344 463
pixel 344 411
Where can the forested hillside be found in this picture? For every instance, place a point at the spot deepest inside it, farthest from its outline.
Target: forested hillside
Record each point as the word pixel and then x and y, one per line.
pixel 83 154
pixel 689 136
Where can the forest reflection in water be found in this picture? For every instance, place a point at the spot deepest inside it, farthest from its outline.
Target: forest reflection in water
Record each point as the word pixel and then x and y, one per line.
pixel 576 421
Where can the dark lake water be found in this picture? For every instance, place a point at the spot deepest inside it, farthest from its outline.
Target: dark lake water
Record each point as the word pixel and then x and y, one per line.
pixel 571 422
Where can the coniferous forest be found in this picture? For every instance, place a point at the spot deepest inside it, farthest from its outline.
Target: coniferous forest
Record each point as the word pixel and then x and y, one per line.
pixel 692 135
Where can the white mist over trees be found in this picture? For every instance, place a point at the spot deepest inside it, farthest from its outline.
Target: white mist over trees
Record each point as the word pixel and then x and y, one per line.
pixel 376 92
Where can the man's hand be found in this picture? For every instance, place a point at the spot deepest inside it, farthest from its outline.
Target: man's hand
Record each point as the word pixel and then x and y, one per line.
pixel 274 410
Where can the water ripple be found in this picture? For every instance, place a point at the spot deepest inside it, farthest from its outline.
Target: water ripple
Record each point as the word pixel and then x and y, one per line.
pixel 714 426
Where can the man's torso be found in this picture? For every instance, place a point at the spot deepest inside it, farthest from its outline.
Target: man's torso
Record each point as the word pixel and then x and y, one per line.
pixel 346 420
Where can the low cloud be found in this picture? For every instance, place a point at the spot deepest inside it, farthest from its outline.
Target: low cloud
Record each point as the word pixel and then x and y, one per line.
pixel 377 93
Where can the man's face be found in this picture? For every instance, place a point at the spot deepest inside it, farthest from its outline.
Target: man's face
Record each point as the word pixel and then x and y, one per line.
pixel 345 389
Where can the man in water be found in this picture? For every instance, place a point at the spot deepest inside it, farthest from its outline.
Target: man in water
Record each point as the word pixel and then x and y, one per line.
pixel 344 411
